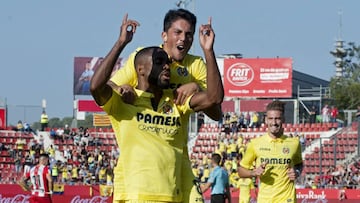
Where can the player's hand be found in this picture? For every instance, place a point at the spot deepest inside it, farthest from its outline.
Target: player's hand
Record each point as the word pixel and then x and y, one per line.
pixel 259 171
pixel 23 185
pixel 184 91
pixel 127 29
pixel 207 36
pixel 291 173
pixel 128 94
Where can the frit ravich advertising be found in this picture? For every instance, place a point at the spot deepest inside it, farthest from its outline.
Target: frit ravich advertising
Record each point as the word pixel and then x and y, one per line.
pixel 259 78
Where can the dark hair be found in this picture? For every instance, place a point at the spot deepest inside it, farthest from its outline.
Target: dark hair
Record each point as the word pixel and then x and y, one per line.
pixel 216 158
pixel 45 155
pixel 143 53
pixel 173 15
pixel 276 106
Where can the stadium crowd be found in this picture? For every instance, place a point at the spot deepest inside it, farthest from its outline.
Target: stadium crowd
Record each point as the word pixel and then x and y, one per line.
pixel 83 161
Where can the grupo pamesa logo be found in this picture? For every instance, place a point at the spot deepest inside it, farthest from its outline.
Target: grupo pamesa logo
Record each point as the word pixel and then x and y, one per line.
pixel 240 74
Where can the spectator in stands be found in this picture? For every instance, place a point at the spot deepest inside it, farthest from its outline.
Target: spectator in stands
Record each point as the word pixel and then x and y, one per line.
pixel 333 114
pixel 53 134
pixel 277 157
pixel 325 113
pixel 64 173
pixel 200 120
pixel 20 143
pixel 55 172
pixel 84 140
pixel 28 129
pixel 28 164
pixel 17 163
pixel 77 139
pixel 2 147
pixel 51 151
pixel 20 126
pixel 67 130
pixel 240 121
pixel 74 174
pixel 234 122
pixel 247 119
pixel 41 141
pixel 44 120
pixel 254 120
pixel 60 134
pixel 67 153
pixel 313 114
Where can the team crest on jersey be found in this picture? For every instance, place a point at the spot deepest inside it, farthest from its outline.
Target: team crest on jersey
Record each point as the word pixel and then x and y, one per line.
pixel 182 71
pixel 167 109
pixel 286 150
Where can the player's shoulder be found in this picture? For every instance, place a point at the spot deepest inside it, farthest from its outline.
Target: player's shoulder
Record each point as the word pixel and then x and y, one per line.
pixel 189 58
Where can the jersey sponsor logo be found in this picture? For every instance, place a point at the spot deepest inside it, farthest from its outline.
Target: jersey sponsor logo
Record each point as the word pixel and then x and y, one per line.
pixel 155 129
pixel 158 119
pixel 182 71
pixel 275 161
pixel 264 149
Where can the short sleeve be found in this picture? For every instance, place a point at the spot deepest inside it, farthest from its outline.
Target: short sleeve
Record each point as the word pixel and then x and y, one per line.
pixel 186 109
pixel 297 157
pixel 212 177
pixel 126 74
pixel 199 73
pixel 115 99
pixel 249 157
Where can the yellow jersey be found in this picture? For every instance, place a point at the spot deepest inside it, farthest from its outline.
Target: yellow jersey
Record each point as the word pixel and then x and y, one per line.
pixel 151 143
pixel 191 69
pixel 275 185
pixel 245 185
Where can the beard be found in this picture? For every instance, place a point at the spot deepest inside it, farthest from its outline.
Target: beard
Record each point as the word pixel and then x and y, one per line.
pixel 163 84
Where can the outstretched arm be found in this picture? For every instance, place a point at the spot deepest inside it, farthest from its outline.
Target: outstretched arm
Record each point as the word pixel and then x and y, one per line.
pixel 210 100
pixel 99 88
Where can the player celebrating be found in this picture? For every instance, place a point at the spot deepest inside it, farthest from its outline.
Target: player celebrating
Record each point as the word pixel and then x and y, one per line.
pixel 278 159
pixel 41 182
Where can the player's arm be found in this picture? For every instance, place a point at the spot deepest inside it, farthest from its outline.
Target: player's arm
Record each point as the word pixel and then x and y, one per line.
pixel 49 182
pixel 227 192
pixel 212 97
pixel 99 88
pixel 23 184
pixel 205 186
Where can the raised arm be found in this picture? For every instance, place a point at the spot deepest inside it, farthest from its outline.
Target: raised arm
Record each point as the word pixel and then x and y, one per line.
pixel 210 99
pixel 99 88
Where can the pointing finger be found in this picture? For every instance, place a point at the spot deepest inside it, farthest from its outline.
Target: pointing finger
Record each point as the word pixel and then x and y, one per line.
pixel 209 21
pixel 125 18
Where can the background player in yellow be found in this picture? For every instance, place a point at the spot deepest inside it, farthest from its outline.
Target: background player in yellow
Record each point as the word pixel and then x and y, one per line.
pixel 139 128
pixel 245 185
pixel 278 159
pixel 188 73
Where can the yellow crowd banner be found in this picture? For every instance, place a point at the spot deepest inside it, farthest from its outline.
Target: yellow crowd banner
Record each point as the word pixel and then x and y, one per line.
pixel 58 188
pixel 106 190
pixel 101 120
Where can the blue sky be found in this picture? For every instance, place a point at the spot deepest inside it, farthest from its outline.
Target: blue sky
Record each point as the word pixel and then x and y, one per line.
pixel 39 39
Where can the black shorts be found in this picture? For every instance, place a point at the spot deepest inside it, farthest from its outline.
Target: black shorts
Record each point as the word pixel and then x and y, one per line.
pixel 218 198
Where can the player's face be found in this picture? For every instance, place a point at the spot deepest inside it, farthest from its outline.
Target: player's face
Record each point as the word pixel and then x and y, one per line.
pixel 160 71
pixel 274 121
pixel 178 39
